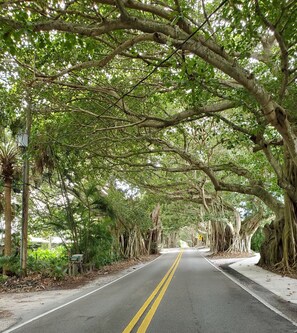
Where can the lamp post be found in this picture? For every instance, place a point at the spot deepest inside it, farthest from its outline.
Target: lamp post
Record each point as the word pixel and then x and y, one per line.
pixel 23 140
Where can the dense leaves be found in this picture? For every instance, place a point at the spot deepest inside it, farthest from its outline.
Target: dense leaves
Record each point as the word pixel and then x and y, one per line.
pixel 188 101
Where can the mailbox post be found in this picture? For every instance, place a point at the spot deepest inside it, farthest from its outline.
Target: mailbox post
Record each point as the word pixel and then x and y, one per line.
pixel 76 262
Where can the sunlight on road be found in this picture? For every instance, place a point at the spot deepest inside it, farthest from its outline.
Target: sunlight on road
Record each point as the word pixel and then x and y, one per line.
pixel 177 249
pixel 183 245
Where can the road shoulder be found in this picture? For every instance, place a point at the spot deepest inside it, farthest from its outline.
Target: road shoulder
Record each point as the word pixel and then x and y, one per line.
pixel 17 307
pixel 279 292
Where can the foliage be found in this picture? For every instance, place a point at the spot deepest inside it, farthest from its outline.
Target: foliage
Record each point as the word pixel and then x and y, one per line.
pixel 200 116
pixel 3 278
pixel 11 264
pixel 49 262
pixel 97 244
pixel 257 240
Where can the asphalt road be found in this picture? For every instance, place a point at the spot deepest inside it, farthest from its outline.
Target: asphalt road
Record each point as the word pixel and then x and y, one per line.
pixel 178 292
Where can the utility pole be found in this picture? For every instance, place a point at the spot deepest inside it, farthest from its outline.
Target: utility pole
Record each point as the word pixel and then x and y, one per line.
pixel 23 143
pixel 25 215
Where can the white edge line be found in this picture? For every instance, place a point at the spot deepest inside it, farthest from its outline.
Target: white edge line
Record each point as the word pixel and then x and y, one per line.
pixel 271 307
pixel 77 299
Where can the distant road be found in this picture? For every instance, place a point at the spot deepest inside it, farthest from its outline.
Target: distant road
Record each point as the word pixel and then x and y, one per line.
pixel 180 292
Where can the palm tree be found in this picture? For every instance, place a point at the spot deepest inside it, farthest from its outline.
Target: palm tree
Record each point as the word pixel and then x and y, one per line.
pixel 8 154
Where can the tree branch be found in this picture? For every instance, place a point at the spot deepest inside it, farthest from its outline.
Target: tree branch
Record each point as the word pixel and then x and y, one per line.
pixel 187 114
pixel 124 13
pixel 283 49
pixel 103 62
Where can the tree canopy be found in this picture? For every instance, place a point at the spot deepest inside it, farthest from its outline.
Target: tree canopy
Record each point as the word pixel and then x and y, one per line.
pixel 189 100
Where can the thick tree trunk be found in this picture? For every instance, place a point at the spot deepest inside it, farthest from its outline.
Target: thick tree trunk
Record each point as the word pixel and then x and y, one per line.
pixel 217 242
pixel 170 240
pixel 246 243
pixel 244 232
pixel 155 232
pixel 236 239
pixel 272 248
pixel 280 247
pixel 132 243
pixel 149 246
pixel 229 235
pixel 289 235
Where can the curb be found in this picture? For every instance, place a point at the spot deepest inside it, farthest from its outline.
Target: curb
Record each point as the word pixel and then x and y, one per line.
pixel 286 307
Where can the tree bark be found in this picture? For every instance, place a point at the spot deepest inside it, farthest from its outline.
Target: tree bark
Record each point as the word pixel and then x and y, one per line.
pixel 280 246
pixel 156 231
pixel 243 235
pixel 217 242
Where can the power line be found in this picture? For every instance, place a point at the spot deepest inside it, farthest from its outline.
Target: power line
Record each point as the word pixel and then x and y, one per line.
pixel 167 58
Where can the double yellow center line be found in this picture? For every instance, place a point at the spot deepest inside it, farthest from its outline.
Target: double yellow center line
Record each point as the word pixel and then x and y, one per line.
pixel 161 289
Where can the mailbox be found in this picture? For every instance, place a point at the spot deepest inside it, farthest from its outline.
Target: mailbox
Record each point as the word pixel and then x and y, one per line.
pixel 77 258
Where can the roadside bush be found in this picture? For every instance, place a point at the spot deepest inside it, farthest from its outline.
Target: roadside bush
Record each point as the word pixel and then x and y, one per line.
pixel 12 264
pixel 97 246
pixel 3 278
pixel 257 240
pixel 49 262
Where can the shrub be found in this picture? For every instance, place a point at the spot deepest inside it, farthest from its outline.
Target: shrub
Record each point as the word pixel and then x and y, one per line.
pixel 12 264
pixel 3 278
pixel 97 246
pixel 49 262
